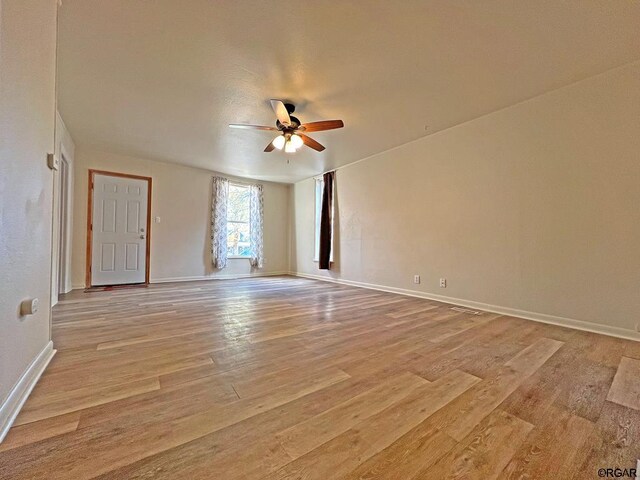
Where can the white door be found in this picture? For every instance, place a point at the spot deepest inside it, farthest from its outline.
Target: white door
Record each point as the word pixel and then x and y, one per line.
pixel 119 245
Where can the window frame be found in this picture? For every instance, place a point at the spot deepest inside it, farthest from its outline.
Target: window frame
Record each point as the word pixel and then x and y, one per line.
pixel 248 222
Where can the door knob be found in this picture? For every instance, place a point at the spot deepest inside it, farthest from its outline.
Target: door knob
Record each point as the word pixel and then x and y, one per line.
pixel 141 237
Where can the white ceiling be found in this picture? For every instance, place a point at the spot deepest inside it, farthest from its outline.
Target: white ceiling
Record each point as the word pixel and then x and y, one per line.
pixel 161 79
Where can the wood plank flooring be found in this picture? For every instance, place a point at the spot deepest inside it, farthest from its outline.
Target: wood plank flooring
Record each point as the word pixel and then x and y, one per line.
pixel 287 378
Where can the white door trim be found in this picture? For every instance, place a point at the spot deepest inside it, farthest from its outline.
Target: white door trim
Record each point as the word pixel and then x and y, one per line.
pixel 64 229
pixel 62 218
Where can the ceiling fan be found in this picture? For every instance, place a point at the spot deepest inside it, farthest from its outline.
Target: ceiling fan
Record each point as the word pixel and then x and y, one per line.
pixel 291 137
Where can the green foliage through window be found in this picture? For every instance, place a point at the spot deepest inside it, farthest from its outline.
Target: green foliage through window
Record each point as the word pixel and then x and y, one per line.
pixel 238 228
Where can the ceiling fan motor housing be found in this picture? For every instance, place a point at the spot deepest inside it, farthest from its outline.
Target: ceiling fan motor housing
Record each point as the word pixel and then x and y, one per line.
pixel 295 123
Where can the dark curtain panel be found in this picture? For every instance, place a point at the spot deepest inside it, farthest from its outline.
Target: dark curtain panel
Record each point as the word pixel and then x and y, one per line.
pixel 326 221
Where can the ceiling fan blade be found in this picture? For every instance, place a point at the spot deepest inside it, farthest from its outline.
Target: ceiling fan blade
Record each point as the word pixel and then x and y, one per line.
pixel 281 112
pixel 270 147
pixel 251 127
pixel 322 125
pixel 310 142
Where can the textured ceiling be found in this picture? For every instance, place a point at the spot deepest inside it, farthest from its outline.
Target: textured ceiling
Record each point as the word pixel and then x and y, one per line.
pixel 162 79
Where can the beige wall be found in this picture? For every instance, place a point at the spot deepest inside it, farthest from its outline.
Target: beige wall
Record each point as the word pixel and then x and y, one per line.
pixel 535 207
pixel 180 243
pixel 27 113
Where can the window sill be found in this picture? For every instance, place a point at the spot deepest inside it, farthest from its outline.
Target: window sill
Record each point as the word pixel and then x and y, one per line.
pixel 234 257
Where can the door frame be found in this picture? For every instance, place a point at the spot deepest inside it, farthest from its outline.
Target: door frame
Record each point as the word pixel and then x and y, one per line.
pixel 92 173
pixel 64 217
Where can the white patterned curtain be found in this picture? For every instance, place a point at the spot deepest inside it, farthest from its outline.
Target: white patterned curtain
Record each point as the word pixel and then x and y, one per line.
pixel 219 222
pixel 256 221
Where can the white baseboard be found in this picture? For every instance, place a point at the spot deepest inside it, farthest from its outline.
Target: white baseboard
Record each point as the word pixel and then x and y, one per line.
pixel 513 312
pixel 223 276
pixel 11 407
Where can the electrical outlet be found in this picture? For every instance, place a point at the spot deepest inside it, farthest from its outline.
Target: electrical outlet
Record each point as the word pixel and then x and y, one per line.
pixel 416 279
pixel 443 283
pixel 29 307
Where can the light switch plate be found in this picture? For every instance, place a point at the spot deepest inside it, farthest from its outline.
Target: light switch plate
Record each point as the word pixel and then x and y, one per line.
pixel 52 161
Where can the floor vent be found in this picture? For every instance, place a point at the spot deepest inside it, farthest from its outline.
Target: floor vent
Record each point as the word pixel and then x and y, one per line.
pixel 466 310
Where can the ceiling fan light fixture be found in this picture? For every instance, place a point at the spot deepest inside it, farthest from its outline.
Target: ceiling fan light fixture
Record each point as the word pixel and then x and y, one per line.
pixel 289 147
pixel 296 141
pixel 279 142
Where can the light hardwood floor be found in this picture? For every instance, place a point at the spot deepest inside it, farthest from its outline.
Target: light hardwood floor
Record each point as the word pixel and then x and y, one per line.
pixel 285 377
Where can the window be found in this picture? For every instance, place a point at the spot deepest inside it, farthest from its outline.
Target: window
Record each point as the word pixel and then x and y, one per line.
pixel 318 194
pixel 238 227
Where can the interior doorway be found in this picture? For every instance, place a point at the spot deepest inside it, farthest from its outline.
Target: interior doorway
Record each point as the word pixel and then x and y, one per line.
pixel 63 223
pixel 118 229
